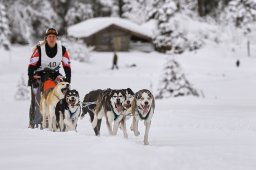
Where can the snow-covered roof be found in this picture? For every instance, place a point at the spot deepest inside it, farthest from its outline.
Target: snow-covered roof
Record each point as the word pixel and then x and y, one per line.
pixel 94 25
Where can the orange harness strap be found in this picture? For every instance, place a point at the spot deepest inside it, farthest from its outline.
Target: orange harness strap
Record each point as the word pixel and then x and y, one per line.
pixel 48 84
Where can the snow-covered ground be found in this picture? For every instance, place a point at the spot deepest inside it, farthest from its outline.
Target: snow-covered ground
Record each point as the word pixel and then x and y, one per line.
pixel 216 132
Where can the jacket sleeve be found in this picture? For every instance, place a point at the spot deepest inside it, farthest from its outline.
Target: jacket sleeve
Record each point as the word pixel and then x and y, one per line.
pixel 66 63
pixel 34 62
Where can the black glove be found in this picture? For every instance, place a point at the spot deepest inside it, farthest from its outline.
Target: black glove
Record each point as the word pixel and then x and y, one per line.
pixel 68 79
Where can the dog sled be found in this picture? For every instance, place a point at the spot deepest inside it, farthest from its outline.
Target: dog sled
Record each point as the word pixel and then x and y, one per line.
pixel 43 82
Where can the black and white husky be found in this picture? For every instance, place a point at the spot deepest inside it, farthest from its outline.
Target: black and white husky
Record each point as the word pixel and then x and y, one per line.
pixel 142 109
pixel 129 98
pixel 91 100
pixel 68 111
pixel 111 105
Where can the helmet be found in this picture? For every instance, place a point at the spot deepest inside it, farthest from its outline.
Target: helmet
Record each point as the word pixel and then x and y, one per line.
pixel 51 31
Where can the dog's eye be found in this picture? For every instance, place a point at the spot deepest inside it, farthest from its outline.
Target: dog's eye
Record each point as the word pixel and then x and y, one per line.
pixel 142 98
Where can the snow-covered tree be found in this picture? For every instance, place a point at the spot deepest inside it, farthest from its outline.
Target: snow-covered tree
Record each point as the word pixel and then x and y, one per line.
pixel 135 10
pixel 174 82
pixel 4 28
pixel 30 18
pixel 239 12
pixel 206 7
pixel 22 92
pixel 77 49
pixel 102 7
pixel 164 39
pixel 78 12
pixel 173 34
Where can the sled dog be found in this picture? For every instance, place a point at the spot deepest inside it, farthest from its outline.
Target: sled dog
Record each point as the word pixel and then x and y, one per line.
pixel 90 101
pixel 111 105
pixel 67 111
pixel 142 109
pixel 48 103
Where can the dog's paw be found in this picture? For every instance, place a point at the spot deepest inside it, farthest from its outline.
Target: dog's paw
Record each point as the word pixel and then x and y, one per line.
pixel 146 143
pixel 126 136
pixel 137 134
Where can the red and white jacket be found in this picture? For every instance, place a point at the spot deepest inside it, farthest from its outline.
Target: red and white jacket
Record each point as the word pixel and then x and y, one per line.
pixel 43 56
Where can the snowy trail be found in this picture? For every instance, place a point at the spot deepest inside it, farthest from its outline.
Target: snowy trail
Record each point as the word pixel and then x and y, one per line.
pixel 215 132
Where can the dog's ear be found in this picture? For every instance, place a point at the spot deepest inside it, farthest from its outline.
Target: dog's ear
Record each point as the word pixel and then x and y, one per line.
pixel 130 91
pixel 123 93
pixel 77 93
pixel 138 94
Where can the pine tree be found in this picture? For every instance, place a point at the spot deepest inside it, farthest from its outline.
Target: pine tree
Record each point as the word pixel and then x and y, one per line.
pixel 174 82
pixel 30 18
pixel 239 12
pixel 172 35
pixel 102 8
pixel 78 12
pixel 164 39
pixel 22 91
pixel 4 28
pixel 135 10
pixel 77 49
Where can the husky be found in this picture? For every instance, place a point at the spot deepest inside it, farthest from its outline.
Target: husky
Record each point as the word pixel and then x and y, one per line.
pixel 48 103
pixel 67 111
pixel 111 105
pixel 90 101
pixel 143 107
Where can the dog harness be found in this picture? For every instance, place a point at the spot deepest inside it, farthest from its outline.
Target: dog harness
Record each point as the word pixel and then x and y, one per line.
pixel 48 84
pixel 72 113
pixel 115 114
pixel 52 63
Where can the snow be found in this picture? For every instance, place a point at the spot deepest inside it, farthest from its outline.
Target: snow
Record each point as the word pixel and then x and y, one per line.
pixel 94 25
pixel 217 132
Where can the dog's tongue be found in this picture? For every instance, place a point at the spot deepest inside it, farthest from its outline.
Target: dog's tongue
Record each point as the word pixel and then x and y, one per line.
pixel 119 108
pixel 72 102
pixel 145 109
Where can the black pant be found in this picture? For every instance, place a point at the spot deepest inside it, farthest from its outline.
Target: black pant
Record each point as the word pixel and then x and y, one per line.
pixel 35 117
pixel 114 66
pixel 32 109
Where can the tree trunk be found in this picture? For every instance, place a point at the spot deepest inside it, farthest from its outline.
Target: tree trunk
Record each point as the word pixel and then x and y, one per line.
pixel 201 7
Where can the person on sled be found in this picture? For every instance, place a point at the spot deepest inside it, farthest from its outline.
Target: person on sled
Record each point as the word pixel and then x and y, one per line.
pixel 48 55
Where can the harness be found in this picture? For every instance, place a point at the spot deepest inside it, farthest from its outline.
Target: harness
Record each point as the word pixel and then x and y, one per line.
pixel 86 104
pixel 115 114
pixel 72 113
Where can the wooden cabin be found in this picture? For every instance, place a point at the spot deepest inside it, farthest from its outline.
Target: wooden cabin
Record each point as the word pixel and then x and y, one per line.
pixel 109 34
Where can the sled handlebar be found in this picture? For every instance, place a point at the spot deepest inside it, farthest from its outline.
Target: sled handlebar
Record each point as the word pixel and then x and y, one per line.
pixel 59 78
